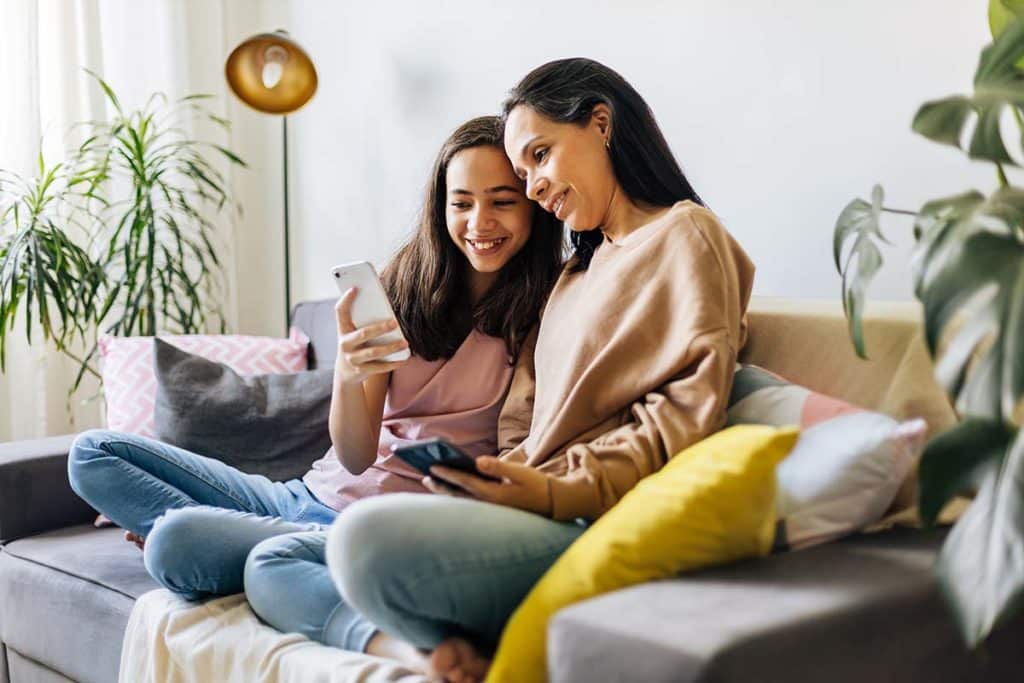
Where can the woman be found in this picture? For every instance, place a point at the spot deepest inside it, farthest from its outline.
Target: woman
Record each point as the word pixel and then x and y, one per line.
pixel 633 363
pixel 467 289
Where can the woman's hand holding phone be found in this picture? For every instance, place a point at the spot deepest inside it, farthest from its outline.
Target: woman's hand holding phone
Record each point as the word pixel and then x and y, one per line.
pixel 358 358
pixel 521 486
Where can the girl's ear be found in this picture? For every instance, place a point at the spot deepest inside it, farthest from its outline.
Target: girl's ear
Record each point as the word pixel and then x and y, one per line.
pixel 601 116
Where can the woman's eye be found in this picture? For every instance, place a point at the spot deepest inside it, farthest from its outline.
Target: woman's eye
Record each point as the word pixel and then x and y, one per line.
pixel 504 202
pixel 539 154
pixel 460 205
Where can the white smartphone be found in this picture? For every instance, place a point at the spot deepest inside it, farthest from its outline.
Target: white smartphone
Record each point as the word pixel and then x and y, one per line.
pixel 371 304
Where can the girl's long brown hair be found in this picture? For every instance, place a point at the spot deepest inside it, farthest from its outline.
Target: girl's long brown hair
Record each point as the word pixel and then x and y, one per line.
pixel 427 280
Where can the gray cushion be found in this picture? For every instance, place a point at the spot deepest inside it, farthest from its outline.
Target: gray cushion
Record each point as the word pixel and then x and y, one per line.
pixel 274 425
pixel 66 598
pixel 863 609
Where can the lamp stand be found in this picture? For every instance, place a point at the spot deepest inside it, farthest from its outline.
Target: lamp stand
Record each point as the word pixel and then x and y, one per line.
pixel 287 238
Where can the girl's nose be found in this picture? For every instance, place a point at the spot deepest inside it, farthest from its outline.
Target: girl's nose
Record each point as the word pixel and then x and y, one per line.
pixel 481 217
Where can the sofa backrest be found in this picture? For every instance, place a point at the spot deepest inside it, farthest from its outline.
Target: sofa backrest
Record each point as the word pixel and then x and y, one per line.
pixel 807 342
pixel 804 340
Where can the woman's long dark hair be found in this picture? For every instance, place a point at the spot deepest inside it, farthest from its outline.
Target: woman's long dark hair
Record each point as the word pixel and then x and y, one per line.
pixel 427 280
pixel 567 90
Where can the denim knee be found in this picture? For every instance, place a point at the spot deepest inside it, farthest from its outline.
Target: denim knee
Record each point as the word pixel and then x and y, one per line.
pixel 167 556
pixel 368 546
pixel 87 446
pixel 263 587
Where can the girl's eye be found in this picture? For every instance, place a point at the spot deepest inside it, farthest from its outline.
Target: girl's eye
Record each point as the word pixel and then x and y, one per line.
pixel 504 202
pixel 539 154
pixel 460 205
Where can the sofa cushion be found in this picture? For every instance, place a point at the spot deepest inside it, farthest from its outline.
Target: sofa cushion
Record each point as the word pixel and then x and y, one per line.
pixel 24 669
pixel 130 385
pixel 206 407
pixel 66 599
pixel 862 609
pixel 847 467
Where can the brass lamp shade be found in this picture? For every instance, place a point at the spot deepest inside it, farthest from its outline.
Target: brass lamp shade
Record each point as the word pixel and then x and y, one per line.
pixel 271 73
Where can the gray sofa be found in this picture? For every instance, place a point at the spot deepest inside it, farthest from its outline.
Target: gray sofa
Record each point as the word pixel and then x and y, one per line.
pixel 862 609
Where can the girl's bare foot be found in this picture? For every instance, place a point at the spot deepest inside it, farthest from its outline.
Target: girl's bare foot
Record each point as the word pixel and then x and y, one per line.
pixel 457 661
pixel 139 541
pixel 382 645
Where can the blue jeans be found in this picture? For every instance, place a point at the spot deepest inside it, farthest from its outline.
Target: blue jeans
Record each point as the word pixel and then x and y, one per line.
pixel 425 568
pixel 213 530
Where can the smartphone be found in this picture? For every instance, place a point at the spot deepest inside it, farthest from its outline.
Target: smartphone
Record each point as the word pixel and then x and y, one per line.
pixel 371 304
pixel 422 455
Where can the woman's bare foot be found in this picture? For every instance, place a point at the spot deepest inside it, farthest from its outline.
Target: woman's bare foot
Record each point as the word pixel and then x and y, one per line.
pixel 382 645
pixel 457 661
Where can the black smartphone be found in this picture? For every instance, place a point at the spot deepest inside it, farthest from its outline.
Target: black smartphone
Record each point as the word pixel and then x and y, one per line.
pixel 423 455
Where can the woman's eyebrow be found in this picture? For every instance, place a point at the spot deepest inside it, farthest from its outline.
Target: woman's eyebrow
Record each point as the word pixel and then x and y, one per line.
pixel 526 146
pixel 502 188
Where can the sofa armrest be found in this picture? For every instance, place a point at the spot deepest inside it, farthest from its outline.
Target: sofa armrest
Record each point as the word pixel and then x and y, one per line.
pixel 35 495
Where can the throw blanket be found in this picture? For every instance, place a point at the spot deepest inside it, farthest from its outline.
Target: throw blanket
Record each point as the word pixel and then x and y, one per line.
pixel 170 640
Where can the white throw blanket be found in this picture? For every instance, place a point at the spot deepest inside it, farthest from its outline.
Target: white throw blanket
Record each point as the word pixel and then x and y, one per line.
pixel 170 640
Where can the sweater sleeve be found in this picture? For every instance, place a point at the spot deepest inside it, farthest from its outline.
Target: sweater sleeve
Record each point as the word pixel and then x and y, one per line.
pixel 709 280
pixel 679 413
pixel 517 411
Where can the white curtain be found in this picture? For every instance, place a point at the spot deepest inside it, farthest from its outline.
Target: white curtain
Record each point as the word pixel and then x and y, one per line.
pixel 171 46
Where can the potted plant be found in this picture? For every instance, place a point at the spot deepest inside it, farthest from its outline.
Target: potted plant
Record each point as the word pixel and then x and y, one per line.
pixel 119 238
pixel 968 273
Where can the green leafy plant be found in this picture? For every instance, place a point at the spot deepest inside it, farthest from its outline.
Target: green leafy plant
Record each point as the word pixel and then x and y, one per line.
pixel 120 237
pixel 968 273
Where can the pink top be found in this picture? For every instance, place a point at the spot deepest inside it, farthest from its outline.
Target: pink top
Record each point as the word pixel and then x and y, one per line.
pixel 457 399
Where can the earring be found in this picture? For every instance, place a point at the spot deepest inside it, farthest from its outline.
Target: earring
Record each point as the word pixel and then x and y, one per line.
pixel 608 143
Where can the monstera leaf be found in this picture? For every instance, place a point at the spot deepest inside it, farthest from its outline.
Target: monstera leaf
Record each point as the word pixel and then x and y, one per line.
pixel 998 84
pixel 981 564
pixel 859 221
pixel 970 278
pixel 969 274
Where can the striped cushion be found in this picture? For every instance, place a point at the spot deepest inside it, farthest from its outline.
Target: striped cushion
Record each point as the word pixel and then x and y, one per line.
pixel 846 467
pixel 129 379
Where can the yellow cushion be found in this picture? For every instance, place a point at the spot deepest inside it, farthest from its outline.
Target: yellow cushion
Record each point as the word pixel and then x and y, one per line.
pixel 711 504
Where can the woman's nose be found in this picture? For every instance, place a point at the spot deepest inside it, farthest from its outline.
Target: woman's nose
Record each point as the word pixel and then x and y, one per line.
pixel 535 188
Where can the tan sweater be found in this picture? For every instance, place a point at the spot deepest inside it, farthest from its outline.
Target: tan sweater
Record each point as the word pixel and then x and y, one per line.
pixel 633 361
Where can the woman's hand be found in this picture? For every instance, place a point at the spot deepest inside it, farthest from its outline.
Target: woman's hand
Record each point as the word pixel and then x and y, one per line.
pixel 357 358
pixel 521 486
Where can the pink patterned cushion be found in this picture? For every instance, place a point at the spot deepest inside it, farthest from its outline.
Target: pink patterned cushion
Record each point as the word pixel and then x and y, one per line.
pixel 845 469
pixel 130 384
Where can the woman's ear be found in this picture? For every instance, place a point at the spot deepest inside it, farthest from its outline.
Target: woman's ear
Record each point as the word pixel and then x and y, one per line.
pixel 601 116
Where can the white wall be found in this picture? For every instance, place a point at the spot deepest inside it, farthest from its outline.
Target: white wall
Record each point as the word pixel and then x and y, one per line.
pixel 780 113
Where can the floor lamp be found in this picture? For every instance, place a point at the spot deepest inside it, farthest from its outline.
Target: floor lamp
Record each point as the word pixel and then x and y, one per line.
pixel 272 74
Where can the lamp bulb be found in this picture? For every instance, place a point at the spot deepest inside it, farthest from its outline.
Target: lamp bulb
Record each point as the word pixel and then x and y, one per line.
pixel 274 57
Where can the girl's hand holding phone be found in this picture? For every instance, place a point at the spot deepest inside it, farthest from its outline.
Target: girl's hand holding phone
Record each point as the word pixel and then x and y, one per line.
pixel 358 356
